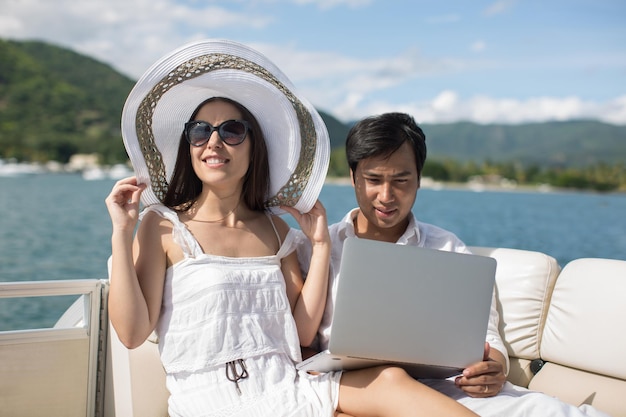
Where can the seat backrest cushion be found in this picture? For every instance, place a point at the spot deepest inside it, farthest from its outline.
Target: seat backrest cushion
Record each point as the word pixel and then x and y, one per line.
pixel 524 281
pixel 586 322
pixel 584 343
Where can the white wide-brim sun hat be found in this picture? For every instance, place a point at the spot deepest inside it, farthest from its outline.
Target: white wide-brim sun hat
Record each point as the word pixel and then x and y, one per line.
pixel 166 96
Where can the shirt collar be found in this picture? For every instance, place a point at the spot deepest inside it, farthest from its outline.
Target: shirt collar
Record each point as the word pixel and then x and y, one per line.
pixel 411 235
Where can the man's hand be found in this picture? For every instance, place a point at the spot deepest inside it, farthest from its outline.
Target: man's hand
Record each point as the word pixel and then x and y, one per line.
pixel 483 379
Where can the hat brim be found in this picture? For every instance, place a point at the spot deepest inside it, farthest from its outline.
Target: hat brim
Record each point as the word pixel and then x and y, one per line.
pixel 165 97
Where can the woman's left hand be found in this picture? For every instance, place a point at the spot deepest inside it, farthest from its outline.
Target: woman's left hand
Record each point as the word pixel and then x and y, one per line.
pixel 313 224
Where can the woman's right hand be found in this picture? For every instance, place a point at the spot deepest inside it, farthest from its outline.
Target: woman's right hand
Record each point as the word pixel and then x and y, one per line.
pixel 123 203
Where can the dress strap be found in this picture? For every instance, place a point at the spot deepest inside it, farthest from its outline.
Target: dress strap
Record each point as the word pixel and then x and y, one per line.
pixel 285 246
pixel 280 241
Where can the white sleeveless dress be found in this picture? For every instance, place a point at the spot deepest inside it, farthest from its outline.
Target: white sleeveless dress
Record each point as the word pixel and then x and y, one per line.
pixel 221 314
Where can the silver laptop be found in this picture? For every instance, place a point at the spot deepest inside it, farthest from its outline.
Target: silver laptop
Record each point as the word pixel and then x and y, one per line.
pixel 422 309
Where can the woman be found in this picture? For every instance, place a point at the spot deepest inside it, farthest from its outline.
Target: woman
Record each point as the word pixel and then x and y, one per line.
pixel 211 268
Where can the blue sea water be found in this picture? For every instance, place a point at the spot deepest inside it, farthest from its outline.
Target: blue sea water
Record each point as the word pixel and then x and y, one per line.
pixel 57 227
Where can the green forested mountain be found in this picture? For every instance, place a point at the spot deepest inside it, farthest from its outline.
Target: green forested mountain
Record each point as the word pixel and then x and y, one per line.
pixel 55 103
pixel 566 144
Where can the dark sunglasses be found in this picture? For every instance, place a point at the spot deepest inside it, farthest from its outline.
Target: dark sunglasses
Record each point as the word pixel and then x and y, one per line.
pixel 231 132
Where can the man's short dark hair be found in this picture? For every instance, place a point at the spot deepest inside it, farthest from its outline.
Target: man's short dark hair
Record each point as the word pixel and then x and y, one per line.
pixel 382 135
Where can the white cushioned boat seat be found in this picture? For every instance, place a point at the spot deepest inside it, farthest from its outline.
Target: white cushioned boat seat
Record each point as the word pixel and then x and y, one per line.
pixel 578 387
pixel 584 341
pixel 135 378
pixel 138 379
pixel 524 282
pixel 573 319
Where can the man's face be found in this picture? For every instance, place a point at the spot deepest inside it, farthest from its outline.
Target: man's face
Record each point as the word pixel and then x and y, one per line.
pixel 385 190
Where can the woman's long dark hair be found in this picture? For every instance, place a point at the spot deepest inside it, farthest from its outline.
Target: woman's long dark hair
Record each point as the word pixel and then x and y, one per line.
pixel 185 186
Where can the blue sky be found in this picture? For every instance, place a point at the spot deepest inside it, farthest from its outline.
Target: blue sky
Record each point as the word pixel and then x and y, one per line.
pixel 488 61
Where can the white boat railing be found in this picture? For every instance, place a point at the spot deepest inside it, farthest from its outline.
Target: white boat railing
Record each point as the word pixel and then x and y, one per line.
pixel 55 371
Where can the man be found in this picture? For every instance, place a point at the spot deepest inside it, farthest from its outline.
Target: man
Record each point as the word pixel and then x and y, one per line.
pixel 386 154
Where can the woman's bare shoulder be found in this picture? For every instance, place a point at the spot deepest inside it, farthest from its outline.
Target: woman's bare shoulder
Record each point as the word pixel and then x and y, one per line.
pixel 153 224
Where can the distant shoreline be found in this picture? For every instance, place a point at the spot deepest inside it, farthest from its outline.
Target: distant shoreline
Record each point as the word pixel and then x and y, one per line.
pixel 88 171
pixel 430 184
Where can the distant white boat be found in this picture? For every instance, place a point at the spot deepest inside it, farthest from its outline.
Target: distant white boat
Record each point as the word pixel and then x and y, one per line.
pixel 95 173
pixel 115 172
pixel 13 169
pixel 119 171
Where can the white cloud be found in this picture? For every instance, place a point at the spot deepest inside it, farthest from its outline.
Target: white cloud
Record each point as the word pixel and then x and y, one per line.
pixel 484 109
pixel 10 24
pixel 613 111
pixel 131 34
pixel 448 106
pixel 445 102
pixel 442 19
pixel 341 84
pixel 489 110
pixel 350 89
pixel 329 4
pixel 499 7
pixel 478 46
